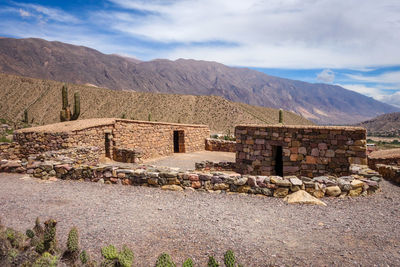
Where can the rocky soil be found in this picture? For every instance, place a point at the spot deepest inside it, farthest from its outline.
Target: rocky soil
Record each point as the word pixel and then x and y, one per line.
pixel 362 231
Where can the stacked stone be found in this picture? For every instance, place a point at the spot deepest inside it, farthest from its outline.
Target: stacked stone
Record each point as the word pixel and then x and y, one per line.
pixel 215 166
pixel 307 150
pixel 37 142
pixel 389 172
pixel 364 181
pixel 156 139
pixel 10 151
pixel 213 144
pixel 127 155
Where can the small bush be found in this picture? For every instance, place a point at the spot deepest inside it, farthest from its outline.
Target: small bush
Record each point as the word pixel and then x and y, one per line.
pixel 125 257
pixel 109 252
pixel 188 263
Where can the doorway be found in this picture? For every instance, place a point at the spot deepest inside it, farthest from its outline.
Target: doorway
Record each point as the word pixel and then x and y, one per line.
pixel 107 145
pixel 179 142
pixel 278 158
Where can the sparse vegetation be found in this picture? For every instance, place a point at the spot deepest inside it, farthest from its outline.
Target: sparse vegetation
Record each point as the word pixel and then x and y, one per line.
pixel 385 144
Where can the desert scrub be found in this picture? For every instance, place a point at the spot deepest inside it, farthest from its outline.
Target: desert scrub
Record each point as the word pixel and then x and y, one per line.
pixel 165 260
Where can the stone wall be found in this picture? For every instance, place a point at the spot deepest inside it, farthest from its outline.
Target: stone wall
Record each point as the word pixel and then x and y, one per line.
pixel 362 182
pixel 389 172
pixel 157 139
pixel 306 150
pixel 152 138
pixel 10 150
pixel 213 144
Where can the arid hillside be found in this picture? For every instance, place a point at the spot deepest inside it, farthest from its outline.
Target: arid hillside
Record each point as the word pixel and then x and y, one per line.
pixel 321 103
pixel 42 99
pixel 384 125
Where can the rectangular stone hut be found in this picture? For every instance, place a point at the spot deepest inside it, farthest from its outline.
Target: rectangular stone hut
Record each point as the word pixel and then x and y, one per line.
pixel 114 138
pixel 299 150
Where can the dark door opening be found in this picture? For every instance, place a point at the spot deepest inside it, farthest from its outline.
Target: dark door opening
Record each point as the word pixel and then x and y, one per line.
pixel 176 142
pixel 279 161
pixel 179 142
pixel 107 145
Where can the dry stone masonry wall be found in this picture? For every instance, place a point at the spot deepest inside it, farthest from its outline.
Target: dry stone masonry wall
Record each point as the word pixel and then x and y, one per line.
pixel 299 150
pixel 220 145
pixel 153 139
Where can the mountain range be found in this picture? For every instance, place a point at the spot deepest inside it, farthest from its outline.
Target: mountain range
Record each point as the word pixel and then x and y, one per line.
pixel 321 103
pixel 383 125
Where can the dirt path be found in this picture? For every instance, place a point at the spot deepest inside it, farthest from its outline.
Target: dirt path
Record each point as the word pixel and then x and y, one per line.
pixel 348 232
pixel 186 161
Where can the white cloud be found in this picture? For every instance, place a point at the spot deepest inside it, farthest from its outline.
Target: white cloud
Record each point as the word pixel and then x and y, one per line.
pixel 393 99
pixel 24 13
pixel 326 76
pixel 362 89
pixel 46 13
pixel 275 33
pixel 392 77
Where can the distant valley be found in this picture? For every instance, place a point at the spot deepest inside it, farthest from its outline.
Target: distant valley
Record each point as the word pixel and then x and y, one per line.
pixel 321 103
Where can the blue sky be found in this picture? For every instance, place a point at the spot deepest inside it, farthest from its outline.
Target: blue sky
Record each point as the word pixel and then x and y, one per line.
pixel 351 43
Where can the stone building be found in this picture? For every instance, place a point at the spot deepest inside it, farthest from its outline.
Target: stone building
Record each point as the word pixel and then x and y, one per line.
pixel 299 150
pixel 114 138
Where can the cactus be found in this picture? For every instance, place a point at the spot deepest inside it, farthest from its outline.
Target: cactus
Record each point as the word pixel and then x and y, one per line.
pixel 280 115
pixel 125 257
pixel 84 257
pixel 73 241
pixel 46 260
pixel 188 263
pixel 49 237
pixel 77 107
pixel 229 259
pixel 109 252
pixel 65 113
pixel 212 262
pixel 30 233
pixel 38 229
pixel 25 119
pixel 149 117
pixel 165 260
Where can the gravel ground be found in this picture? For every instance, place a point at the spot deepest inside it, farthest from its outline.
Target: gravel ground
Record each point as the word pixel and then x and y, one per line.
pixel 186 161
pixel 362 231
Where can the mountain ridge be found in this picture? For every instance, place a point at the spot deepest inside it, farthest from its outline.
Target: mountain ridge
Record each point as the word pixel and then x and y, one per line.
pixel 322 103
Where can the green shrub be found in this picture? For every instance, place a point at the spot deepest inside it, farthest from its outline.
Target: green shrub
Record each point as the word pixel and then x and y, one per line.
pixel 229 259
pixel 49 236
pixel 165 260
pixel 212 262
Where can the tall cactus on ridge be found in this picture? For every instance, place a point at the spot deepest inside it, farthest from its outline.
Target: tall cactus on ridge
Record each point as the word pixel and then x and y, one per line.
pixel 65 113
pixel 280 115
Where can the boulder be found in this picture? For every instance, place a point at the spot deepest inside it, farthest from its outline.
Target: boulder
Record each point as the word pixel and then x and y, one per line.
pixel 333 191
pixel 281 192
pixel 302 197
pixel 296 181
pixel 357 184
pixel 172 187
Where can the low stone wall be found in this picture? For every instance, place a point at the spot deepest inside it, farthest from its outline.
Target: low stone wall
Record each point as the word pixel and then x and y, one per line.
pixel 127 155
pixel 215 166
pixel 301 150
pixel 363 182
pixel 10 151
pixel 389 172
pixel 213 144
